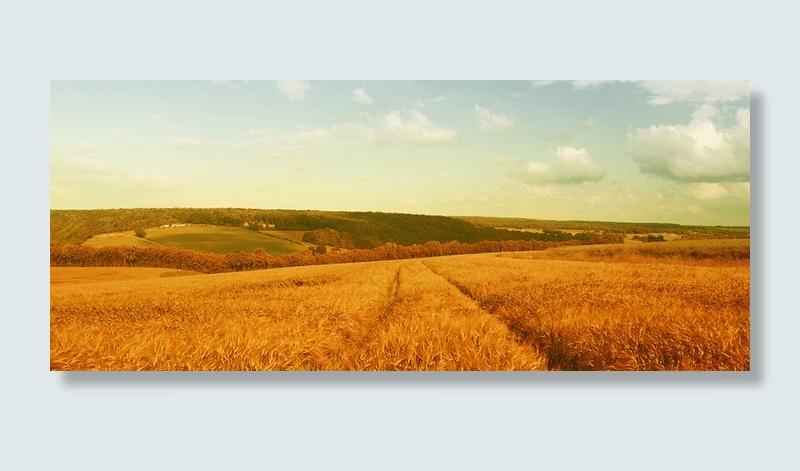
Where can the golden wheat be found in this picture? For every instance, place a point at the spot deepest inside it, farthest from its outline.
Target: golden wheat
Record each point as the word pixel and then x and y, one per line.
pixel 615 316
pixel 471 312
pixel 373 316
pixel 704 252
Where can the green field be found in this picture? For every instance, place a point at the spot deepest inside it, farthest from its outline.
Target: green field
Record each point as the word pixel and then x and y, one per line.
pixel 201 238
pixel 294 236
pixel 220 240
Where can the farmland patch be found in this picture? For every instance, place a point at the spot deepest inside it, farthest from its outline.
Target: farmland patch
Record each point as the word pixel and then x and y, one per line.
pixel 220 240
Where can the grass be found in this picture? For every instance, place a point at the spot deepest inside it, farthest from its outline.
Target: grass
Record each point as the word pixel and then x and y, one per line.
pixel 293 236
pixel 116 239
pixel 469 312
pixel 220 240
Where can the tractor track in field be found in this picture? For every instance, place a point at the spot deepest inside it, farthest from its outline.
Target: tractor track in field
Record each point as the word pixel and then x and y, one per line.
pixel 520 334
pixel 391 297
pixel 462 289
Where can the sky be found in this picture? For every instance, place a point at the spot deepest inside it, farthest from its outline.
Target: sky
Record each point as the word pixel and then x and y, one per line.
pixel 628 151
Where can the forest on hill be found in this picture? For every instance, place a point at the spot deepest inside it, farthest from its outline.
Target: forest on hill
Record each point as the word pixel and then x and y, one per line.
pixel 351 230
pixel 365 230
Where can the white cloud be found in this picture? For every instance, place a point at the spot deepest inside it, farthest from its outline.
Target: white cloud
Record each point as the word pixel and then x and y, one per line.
pixel 599 198
pixel 355 133
pixel 618 199
pixel 695 209
pixel 185 143
pixel 156 117
pixel 743 118
pixel 709 191
pixel 417 129
pixel 75 169
pixel 590 123
pixel 696 152
pixel 225 83
pixel 195 143
pixel 672 91
pixel 78 182
pixel 121 131
pixel 87 147
pixel 488 121
pixel 360 96
pixel 422 102
pixel 716 191
pixel 584 84
pixel 701 91
pixel 293 89
pixel 741 190
pixel 78 166
pixel 307 144
pixel 571 166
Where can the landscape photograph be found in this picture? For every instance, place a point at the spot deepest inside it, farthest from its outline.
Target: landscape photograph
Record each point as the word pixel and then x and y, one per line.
pixel 583 225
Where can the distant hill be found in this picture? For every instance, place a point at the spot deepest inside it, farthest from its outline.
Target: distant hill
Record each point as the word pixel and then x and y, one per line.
pixel 357 230
pixel 360 230
pixel 687 232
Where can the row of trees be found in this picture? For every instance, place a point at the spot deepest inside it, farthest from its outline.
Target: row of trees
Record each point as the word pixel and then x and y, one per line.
pixel 348 240
pixel 81 256
pixel 330 237
pixel 650 238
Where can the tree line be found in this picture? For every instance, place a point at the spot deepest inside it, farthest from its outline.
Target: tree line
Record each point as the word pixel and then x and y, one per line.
pixel 649 238
pixel 156 257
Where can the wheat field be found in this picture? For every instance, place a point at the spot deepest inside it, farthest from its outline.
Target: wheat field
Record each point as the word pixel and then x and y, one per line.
pixel 615 316
pixel 469 312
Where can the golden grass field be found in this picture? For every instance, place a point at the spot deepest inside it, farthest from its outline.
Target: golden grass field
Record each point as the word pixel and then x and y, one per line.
pixel 80 275
pixel 508 311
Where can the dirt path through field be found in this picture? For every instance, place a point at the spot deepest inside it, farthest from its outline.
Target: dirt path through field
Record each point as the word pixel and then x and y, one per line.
pixel 430 324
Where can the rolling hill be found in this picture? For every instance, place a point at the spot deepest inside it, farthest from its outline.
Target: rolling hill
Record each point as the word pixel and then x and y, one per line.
pixel 210 239
pixel 358 230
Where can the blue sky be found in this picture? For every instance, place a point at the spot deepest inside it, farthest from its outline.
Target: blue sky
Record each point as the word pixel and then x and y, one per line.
pixel 638 151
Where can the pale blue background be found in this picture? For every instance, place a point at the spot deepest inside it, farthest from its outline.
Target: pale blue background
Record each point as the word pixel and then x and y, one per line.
pixel 398 421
